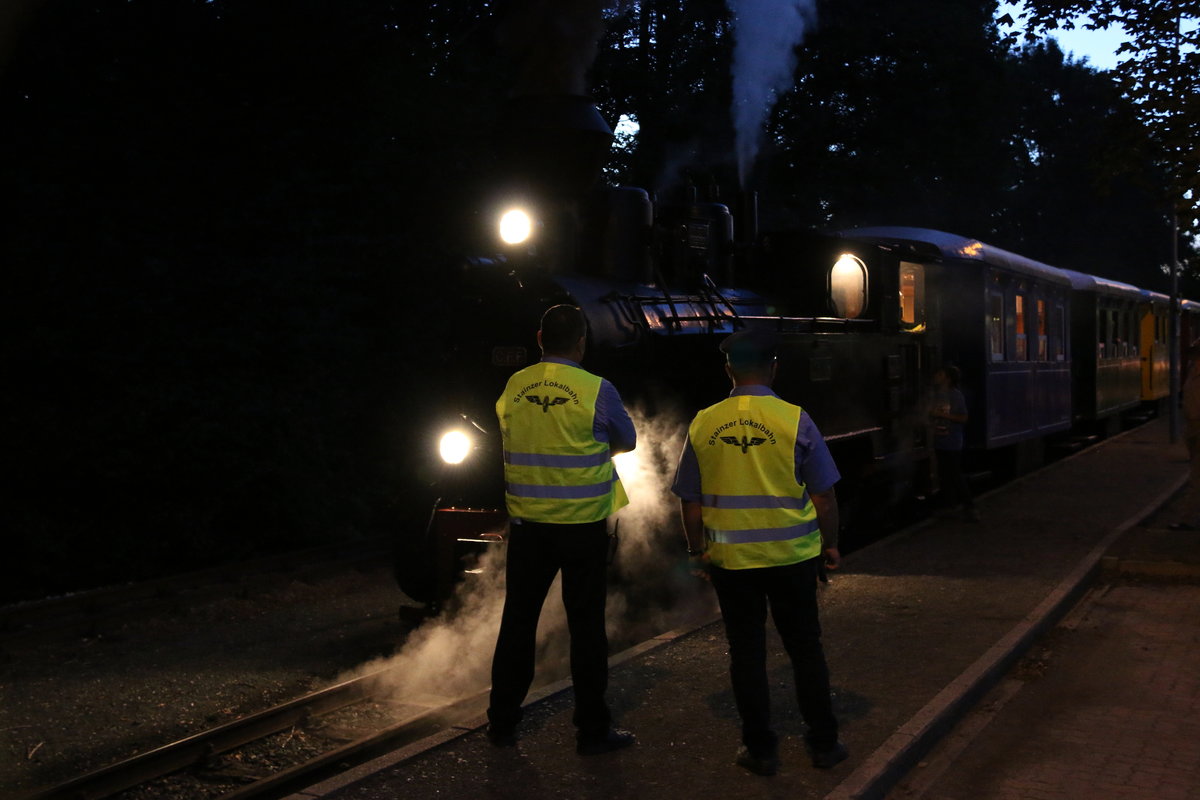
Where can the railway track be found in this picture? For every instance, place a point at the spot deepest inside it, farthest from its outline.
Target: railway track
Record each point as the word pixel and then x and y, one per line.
pixel 249 758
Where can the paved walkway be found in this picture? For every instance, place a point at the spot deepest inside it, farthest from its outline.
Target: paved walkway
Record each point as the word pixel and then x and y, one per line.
pixel 1105 706
pixel 917 628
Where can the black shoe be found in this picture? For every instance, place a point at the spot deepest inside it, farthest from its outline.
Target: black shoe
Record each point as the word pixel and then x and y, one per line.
pixel 825 759
pixel 612 739
pixel 501 737
pixel 759 765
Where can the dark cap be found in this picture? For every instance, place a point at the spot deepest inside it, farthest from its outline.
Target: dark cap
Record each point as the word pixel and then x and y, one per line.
pixel 750 349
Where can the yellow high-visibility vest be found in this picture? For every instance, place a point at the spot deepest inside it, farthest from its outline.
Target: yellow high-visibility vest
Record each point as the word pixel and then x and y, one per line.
pixel 555 470
pixel 755 512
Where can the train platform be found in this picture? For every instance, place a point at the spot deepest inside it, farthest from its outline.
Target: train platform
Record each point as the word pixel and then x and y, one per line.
pixel 918 628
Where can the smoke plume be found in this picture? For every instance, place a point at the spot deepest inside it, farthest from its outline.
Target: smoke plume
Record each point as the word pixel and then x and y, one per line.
pixel 650 590
pixel 766 33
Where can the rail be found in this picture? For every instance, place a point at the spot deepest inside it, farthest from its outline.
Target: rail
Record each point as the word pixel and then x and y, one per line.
pixel 200 748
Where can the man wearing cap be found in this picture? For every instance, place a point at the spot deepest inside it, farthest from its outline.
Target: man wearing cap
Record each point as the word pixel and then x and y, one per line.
pixel 755 482
pixel 560 427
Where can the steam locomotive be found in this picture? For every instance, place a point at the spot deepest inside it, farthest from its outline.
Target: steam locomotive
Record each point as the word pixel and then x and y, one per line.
pixel 864 318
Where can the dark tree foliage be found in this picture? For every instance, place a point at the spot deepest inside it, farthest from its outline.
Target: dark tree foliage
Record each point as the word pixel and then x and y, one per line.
pixel 895 117
pixel 222 215
pixel 1086 174
pixel 666 63
pixel 1159 60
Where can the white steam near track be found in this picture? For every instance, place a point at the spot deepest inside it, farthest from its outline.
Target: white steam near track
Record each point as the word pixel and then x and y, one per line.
pixel 766 33
pixel 450 657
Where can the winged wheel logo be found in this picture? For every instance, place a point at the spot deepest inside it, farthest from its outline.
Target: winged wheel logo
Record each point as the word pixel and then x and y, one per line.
pixel 743 443
pixel 545 402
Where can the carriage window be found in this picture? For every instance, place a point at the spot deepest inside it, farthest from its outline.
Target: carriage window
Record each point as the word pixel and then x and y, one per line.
pixel 1042 344
pixel 1060 334
pixel 996 325
pixel 848 286
pixel 912 296
pixel 1022 349
pixel 1102 334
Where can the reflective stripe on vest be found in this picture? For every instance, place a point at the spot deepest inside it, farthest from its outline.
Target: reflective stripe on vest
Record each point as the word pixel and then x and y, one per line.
pixel 755 512
pixel 555 470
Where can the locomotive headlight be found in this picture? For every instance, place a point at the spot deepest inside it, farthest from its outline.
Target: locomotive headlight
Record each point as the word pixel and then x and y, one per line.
pixel 454 447
pixel 628 463
pixel 516 226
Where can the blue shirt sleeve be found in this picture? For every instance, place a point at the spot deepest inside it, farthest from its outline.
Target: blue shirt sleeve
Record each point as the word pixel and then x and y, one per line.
pixel 687 474
pixel 612 423
pixel 815 467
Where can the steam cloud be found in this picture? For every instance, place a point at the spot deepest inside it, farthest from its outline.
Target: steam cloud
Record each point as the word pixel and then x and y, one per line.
pixel 450 657
pixel 766 33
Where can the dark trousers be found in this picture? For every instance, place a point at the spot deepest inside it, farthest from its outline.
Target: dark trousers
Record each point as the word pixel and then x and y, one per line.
pixel 791 593
pixel 952 479
pixel 536 553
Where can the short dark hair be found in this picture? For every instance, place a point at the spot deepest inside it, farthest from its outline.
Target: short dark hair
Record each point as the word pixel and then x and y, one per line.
pixel 562 326
pixel 953 374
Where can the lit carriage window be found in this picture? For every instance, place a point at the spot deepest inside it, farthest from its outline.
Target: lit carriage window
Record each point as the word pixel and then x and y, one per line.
pixel 1022 350
pixel 1042 344
pixel 912 296
pixel 848 286
pixel 996 325
pixel 1060 334
pixel 1117 349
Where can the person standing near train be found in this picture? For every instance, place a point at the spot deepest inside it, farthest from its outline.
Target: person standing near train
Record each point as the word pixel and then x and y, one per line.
pixel 560 426
pixel 948 413
pixel 755 481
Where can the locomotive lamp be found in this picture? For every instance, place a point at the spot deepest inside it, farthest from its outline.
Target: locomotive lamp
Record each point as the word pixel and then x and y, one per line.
pixel 629 463
pixel 516 226
pixel 848 285
pixel 454 447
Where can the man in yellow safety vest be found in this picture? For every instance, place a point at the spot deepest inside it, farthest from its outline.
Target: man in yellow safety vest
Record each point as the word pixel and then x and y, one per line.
pixel 755 482
pixel 560 427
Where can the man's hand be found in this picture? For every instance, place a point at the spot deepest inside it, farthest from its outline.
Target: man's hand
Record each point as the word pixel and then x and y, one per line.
pixel 833 558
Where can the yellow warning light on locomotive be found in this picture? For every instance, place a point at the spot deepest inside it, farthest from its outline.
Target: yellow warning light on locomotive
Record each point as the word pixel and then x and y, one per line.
pixel 454 447
pixel 516 226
